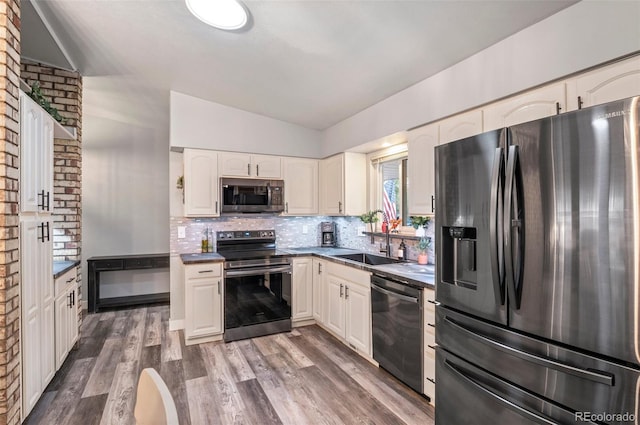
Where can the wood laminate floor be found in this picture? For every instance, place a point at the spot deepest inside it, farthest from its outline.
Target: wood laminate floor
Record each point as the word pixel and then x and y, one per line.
pixel 302 377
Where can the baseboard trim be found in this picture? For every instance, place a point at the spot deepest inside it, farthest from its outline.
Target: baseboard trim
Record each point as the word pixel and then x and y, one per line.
pixel 176 325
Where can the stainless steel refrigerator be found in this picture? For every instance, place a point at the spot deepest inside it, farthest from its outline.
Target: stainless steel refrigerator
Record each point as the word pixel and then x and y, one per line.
pixel 538 271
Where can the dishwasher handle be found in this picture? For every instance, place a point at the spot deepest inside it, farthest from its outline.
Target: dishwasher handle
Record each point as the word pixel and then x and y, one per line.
pixel 394 294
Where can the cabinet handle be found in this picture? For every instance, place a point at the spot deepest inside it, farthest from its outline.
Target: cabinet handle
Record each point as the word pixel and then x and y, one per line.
pixel 431 380
pixel 433 203
pixel 286 207
pixel 73 298
pixel 216 207
pixel 341 286
pixel 69 300
pixel 248 169
pixel 205 271
pixel 71 280
pixel 48 201
pixel 433 347
pixel 48 234
pixel 218 287
pixel 340 207
pixel 433 302
pixel 258 170
pixel 346 292
pixel 558 108
pixel 431 324
pixel 580 102
pixel 319 268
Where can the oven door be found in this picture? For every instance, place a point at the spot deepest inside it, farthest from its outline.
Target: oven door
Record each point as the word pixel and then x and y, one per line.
pixel 257 301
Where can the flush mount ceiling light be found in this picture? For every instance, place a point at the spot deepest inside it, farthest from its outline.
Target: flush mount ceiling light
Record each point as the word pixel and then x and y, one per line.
pixel 223 14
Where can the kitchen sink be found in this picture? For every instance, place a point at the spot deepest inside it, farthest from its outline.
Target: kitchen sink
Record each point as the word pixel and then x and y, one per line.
pixel 371 259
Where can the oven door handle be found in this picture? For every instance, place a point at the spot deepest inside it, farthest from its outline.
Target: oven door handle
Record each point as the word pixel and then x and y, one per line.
pixel 256 272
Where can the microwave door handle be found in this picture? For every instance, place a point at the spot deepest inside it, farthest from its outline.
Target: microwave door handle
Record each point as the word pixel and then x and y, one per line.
pixel 495 233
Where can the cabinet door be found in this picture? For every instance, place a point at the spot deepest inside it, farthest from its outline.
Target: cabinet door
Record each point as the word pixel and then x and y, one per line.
pixel 421 173
pixel 614 82
pixel 302 307
pixel 318 290
pixel 358 312
pixel 266 166
pixel 62 328
pixel 300 186
pixel 46 161
pixel 200 183
pixel 334 298
pixel 460 126
pixel 539 103
pixel 30 141
pixel 203 307
pixel 332 185
pixel 47 344
pixel 234 164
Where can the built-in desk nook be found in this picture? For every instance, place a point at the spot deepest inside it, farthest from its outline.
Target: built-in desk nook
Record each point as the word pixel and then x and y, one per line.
pixel 97 265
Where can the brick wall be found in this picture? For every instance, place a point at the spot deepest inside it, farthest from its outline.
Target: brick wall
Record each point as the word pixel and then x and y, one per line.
pixel 9 175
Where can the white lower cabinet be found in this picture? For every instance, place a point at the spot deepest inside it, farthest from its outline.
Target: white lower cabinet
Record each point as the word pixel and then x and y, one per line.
pixel 302 288
pixel 429 369
pixel 66 315
pixel 203 302
pixel 348 306
pixel 318 289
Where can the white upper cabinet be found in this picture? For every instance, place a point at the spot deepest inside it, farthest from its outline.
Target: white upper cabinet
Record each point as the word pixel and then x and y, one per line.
pixel 343 184
pixel 614 82
pixel 36 157
pixel 421 173
pixel 245 165
pixel 543 102
pixel 300 186
pixel 201 183
pixel 460 126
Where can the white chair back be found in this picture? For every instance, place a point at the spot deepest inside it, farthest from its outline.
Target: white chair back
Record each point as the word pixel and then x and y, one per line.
pixel 154 403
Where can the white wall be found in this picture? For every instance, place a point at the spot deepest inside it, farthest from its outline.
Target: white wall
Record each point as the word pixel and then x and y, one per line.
pixel 581 36
pixel 125 169
pixel 198 123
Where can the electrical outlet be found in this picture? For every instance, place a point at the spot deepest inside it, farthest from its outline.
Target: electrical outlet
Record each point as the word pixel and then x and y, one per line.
pixel 305 229
pixel 182 232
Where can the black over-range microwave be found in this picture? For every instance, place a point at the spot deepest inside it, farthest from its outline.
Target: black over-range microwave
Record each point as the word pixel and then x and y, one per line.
pixel 251 195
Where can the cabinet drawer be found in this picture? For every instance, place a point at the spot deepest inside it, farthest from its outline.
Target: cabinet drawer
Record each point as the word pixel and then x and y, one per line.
pixel 65 280
pixel 109 264
pixel 138 263
pixel 197 271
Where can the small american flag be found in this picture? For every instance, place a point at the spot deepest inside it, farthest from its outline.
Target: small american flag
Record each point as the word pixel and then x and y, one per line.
pixel 388 206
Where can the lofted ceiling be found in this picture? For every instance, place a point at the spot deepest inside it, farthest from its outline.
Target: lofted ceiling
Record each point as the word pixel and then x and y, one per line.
pixel 312 63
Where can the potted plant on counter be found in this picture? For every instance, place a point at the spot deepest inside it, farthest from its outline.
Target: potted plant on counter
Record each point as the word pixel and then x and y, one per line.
pixel 371 218
pixel 423 246
pixel 420 222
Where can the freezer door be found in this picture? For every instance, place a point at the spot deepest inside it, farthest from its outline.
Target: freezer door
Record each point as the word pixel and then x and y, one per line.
pixel 565 377
pixel 469 185
pixel 572 230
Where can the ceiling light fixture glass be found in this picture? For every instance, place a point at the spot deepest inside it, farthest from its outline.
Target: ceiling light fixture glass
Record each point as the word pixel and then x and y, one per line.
pixel 223 14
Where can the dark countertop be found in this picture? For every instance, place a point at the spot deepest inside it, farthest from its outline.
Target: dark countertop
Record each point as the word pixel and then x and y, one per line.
pixel 210 257
pixel 61 267
pixel 409 271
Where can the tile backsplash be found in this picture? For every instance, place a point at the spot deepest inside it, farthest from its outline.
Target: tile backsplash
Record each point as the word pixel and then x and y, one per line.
pixel 291 232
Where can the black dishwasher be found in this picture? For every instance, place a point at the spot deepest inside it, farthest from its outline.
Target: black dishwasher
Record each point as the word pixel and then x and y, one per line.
pixel 396 309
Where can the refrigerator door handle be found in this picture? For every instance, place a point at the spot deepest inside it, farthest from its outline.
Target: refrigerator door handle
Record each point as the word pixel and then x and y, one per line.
pixel 594 376
pixel 495 233
pixel 507 403
pixel 513 287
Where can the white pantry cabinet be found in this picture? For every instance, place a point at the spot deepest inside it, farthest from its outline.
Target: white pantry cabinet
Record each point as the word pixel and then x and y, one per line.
pixel 421 174
pixel 66 312
pixel 614 82
pixel 343 184
pixel 300 186
pixel 348 306
pixel 302 288
pixel 429 325
pixel 201 197
pixel 233 164
pixel 36 157
pixel 203 302
pixel 539 103
pixel 37 305
pixel 319 268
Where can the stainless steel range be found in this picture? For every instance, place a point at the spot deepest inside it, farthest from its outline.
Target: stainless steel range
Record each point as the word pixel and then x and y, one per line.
pixel 257 284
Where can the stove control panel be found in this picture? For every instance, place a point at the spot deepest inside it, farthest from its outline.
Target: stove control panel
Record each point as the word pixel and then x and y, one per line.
pixel 245 234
